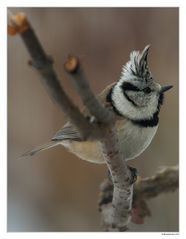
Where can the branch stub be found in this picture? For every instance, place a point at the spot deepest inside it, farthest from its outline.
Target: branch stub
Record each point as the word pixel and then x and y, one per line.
pixel 72 64
pixel 18 24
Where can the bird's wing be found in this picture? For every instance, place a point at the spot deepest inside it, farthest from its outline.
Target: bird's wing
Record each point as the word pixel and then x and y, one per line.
pixel 69 132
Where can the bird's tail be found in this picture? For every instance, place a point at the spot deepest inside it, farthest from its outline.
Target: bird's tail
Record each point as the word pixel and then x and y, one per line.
pixel 39 149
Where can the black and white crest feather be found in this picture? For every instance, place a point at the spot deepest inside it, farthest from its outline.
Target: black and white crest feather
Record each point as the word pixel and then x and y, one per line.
pixel 138 65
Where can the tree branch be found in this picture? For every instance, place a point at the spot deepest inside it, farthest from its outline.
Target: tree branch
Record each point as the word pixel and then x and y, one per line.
pixel 166 180
pixel 44 65
pixel 118 216
pixel 78 78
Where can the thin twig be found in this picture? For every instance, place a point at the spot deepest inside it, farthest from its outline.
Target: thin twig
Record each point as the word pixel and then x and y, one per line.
pixel 167 180
pixel 78 77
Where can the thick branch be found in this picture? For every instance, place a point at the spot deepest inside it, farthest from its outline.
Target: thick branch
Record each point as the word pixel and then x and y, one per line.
pixel 119 215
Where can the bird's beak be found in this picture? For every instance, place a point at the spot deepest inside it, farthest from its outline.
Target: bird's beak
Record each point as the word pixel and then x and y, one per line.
pixel 165 88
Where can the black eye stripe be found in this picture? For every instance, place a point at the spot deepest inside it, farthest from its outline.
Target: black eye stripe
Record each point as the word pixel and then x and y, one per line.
pixel 128 86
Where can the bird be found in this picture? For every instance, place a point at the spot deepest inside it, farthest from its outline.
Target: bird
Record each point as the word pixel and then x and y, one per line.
pixel 135 100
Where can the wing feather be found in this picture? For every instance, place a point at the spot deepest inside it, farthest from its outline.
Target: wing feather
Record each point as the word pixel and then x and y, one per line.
pixel 68 132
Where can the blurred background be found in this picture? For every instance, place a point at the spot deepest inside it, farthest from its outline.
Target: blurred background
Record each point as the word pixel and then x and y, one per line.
pixel 55 190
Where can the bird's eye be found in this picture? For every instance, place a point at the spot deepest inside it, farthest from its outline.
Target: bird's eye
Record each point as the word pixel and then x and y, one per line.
pixel 147 90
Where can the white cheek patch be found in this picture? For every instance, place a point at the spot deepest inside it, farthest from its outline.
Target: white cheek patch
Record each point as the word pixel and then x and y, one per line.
pixel 127 109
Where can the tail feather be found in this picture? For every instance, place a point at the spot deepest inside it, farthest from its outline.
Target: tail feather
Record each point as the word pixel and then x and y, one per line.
pixel 39 149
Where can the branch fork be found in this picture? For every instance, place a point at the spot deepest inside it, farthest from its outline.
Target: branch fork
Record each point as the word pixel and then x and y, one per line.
pixel 103 130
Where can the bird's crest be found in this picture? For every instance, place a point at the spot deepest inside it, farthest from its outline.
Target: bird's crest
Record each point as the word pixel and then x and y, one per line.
pixel 137 66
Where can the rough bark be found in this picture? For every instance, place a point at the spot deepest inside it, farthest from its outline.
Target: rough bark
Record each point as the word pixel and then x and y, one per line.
pixel 164 181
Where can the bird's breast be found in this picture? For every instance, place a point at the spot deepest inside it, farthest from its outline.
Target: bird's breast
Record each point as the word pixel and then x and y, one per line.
pixel 135 139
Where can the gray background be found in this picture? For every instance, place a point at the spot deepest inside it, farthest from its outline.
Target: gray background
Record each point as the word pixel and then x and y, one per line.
pixel 56 191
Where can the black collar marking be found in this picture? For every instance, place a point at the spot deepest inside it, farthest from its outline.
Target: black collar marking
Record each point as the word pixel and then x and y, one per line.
pixel 148 122
pixel 155 118
pixel 143 122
